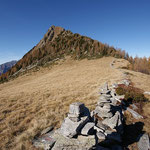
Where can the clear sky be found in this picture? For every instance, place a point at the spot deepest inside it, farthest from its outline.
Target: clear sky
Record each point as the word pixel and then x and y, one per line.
pixel 124 24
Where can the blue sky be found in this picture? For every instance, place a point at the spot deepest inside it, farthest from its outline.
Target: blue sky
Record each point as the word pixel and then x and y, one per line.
pixel 124 24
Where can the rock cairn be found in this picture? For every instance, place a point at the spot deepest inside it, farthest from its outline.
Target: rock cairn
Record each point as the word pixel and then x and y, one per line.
pixel 109 118
pixel 77 117
pixel 100 129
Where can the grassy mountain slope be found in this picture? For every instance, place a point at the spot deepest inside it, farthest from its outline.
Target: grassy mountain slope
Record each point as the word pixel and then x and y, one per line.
pixel 37 100
pixel 57 43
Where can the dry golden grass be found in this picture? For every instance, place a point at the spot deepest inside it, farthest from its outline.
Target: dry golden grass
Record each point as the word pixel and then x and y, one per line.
pixel 141 81
pixel 37 100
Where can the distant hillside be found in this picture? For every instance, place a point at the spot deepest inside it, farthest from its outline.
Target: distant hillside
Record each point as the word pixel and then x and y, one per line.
pixel 6 66
pixel 57 43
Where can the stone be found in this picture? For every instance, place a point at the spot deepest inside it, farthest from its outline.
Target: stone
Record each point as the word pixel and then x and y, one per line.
pixel 98 129
pixel 76 108
pixel 115 122
pixel 48 129
pixel 103 113
pixel 134 107
pixel 79 143
pixel 134 113
pixel 45 142
pixel 74 119
pixel 101 136
pixel 108 96
pixel 88 129
pixel 113 101
pixel 107 106
pixel 105 91
pixel 113 93
pixel 144 143
pixel 70 128
pixel 125 82
pixel 115 85
pixel 102 126
pixel 147 93
pixel 104 98
pixel 102 102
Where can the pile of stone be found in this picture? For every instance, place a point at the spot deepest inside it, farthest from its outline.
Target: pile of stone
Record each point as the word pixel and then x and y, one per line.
pixel 101 129
pixel 109 117
pixel 77 117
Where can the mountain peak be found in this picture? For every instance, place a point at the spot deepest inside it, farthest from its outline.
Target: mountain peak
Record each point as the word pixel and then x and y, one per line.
pixel 51 34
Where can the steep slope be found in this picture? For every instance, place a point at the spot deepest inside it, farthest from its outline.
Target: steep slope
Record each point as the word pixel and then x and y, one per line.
pixel 57 43
pixel 6 66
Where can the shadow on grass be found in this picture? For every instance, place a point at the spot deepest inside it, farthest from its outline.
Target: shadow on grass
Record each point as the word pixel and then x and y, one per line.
pixel 132 133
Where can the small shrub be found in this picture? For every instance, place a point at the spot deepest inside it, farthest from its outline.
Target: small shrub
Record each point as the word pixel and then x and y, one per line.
pixel 120 91
pixel 131 93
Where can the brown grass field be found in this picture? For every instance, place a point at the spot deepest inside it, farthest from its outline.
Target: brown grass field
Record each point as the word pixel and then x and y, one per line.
pixel 40 99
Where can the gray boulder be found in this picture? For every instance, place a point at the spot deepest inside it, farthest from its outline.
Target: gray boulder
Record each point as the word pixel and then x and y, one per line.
pixel 79 143
pixel 76 108
pixel 114 122
pixel 103 112
pixel 70 128
pixel 144 143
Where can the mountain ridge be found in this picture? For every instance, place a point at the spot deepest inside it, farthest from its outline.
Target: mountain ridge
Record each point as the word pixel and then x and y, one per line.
pixel 6 66
pixel 58 43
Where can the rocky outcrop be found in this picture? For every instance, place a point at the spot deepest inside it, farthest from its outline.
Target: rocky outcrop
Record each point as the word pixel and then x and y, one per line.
pixel 51 34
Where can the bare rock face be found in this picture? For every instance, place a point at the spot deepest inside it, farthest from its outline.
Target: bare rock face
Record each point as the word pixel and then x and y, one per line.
pixel 51 34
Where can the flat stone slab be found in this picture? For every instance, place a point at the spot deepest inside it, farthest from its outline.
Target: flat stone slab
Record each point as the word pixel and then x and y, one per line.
pixel 147 93
pixel 80 143
pixel 102 126
pixel 70 128
pixel 48 129
pixel 134 113
pixel 101 136
pixel 144 142
pixel 101 112
pixel 76 108
pixel 44 141
pixel 115 122
pixel 88 129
